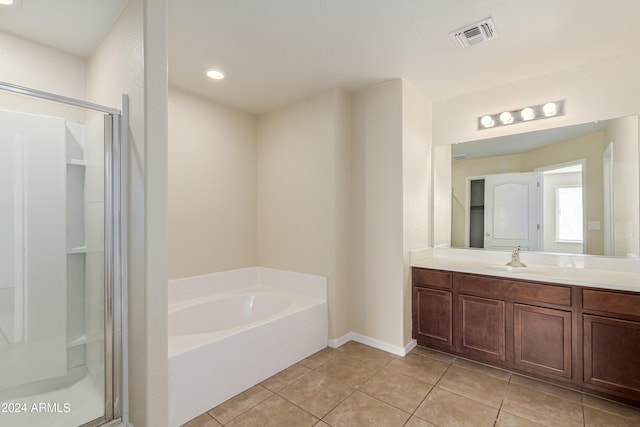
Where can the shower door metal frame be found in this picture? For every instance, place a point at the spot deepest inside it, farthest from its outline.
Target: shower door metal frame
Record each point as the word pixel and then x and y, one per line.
pixel 116 128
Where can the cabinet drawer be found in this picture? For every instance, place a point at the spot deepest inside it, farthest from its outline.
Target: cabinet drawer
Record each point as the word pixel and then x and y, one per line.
pixel 432 278
pixel 611 302
pixel 514 290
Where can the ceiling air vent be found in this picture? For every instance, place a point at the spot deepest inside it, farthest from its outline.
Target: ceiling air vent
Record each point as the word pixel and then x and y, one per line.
pixel 476 33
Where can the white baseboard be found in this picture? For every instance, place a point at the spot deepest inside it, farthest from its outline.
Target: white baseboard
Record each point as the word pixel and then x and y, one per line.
pixel 372 342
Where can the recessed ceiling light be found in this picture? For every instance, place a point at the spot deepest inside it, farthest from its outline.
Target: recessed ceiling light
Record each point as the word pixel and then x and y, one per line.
pixel 215 74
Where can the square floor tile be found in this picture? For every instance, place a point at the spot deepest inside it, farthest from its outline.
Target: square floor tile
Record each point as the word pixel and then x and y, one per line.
pixel 316 393
pixel 444 408
pixel 419 367
pixel 548 388
pixel 319 358
pixel 542 408
pixel 427 352
pixel 285 377
pixel 274 412
pixel 365 356
pixel 235 406
pixel 597 418
pixel 347 370
pixel 360 410
pixel 611 407
pixel 484 369
pixel 474 385
pixel 506 419
pixel 417 422
pixel 396 389
pixel 204 420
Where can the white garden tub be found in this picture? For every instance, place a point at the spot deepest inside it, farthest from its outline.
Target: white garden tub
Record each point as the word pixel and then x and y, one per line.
pixel 229 331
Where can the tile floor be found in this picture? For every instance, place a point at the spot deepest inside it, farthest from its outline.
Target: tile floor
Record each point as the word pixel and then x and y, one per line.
pixel 356 385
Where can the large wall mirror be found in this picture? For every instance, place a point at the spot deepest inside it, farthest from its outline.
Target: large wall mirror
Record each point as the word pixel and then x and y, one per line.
pixel 573 189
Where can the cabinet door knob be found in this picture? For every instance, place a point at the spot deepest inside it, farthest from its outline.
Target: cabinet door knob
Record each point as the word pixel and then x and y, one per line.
pixel 487 234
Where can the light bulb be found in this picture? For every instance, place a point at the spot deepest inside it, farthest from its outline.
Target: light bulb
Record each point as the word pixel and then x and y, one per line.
pixel 487 121
pixel 550 109
pixel 6 2
pixel 527 113
pixel 506 118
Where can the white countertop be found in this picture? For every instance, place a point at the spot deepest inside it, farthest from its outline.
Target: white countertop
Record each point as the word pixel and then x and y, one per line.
pixel 569 275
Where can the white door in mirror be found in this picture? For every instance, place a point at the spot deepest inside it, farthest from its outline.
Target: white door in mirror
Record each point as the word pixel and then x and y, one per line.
pixel 511 211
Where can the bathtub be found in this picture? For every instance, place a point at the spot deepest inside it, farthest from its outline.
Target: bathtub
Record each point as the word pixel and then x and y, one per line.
pixel 229 331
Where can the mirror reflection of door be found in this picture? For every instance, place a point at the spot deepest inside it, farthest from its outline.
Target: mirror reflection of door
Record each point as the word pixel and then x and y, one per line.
pixel 509 214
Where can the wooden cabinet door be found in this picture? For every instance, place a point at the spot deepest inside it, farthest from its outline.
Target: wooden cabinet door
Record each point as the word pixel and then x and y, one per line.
pixel 612 354
pixel 542 339
pixel 482 326
pixel 433 317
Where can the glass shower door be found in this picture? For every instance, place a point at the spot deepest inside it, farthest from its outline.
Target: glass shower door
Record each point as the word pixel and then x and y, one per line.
pixel 56 354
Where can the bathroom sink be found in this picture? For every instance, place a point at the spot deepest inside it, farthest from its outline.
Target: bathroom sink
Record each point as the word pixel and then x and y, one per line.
pixel 518 270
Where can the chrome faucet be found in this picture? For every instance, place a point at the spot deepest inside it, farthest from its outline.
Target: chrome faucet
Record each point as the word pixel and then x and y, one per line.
pixel 515 259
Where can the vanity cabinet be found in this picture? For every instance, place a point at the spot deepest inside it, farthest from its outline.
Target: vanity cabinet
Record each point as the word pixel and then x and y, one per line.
pixel 433 308
pixel 481 327
pixel 611 327
pixel 580 337
pixel 542 340
pixel 524 325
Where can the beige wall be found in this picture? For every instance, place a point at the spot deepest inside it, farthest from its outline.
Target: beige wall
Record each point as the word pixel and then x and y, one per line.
pixel 213 187
pixel 601 90
pixel 30 64
pixel 416 171
pixel 623 134
pixel 302 190
pixel 131 59
pixel 377 237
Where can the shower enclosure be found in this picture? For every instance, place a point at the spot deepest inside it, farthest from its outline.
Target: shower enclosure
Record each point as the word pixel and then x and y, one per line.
pixel 62 164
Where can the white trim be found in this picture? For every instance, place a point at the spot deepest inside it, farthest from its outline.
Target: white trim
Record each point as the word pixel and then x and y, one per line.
pixel 372 342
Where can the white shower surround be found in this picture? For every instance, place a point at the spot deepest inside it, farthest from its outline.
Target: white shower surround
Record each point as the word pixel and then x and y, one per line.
pixel 207 368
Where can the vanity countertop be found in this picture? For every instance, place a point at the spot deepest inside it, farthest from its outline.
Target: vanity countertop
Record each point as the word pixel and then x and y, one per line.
pixel 588 277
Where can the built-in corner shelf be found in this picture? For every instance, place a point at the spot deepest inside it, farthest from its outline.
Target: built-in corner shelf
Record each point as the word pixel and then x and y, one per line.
pixel 76 341
pixel 76 162
pixel 77 250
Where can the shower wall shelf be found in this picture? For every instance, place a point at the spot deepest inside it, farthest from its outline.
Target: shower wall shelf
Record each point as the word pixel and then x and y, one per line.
pixel 82 339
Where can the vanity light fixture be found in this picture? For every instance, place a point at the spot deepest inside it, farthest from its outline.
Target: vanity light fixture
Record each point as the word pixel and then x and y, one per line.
pixel 215 74
pixel 542 111
pixel 7 2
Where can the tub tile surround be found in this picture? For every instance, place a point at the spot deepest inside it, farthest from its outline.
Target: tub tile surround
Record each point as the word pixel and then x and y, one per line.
pixel 464 393
pixel 582 270
pixel 208 368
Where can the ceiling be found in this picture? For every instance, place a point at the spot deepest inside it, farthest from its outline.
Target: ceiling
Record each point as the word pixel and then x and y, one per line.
pixel 276 52
pixel 74 26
